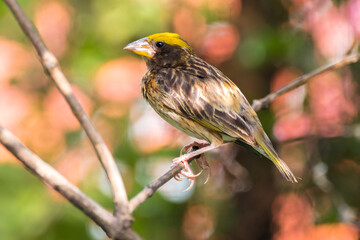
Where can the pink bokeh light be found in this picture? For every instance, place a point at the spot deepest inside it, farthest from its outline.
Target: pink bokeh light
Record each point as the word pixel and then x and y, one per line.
pixel 292 126
pixel 58 112
pixel 333 103
pixel 11 64
pixel 53 20
pixel 332 34
pixel 219 43
pixel 294 218
pixel 15 105
pixel 118 80
pixel 353 14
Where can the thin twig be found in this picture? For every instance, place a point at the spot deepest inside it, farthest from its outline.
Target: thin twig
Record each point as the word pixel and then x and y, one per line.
pixel 54 71
pixel 265 101
pixel 150 189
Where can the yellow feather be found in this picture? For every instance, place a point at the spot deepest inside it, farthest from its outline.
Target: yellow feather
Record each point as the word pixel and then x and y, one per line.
pixel 280 164
pixel 170 38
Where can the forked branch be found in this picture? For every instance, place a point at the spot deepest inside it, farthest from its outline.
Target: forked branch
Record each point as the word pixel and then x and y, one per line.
pixel 52 68
pixel 53 178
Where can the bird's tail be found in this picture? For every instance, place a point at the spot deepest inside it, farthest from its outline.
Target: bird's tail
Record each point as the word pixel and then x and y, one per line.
pixel 266 149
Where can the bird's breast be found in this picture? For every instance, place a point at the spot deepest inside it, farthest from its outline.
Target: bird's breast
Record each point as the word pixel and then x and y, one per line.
pixel 149 86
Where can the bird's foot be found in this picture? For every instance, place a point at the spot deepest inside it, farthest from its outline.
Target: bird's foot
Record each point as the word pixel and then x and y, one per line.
pixel 186 172
pixel 200 160
pixel 186 157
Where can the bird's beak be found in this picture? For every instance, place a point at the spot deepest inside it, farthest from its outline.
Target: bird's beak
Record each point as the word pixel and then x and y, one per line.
pixel 141 47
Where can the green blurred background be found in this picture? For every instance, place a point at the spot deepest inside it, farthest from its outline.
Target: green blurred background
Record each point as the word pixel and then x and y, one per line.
pixel 261 45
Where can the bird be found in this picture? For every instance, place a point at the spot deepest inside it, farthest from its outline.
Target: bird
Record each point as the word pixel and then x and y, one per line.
pixel 199 100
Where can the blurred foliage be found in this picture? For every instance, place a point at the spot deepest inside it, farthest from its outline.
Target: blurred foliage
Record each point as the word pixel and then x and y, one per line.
pixel 261 45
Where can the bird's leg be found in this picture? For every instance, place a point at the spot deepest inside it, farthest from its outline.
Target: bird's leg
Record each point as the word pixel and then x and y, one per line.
pixel 188 172
pixel 194 146
pixel 202 147
pixel 186 157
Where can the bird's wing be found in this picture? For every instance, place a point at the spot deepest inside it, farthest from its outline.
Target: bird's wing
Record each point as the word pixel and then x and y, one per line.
pixel 205 95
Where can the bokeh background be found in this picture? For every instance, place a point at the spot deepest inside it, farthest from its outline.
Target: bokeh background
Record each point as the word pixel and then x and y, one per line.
pixel 261 45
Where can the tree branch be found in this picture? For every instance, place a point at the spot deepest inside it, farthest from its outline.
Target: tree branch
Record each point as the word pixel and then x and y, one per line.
pixel 50 176
pixel 54 71
pixel 150 189
pixel 265 101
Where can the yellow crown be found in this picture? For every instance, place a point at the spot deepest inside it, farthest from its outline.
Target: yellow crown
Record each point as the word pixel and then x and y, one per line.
pixel 169 38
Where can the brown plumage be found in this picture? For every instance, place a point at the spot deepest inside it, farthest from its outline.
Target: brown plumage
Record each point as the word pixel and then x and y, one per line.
pixel 198 99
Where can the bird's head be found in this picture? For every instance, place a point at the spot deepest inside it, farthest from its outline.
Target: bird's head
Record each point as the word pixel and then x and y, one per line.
pixel 162 49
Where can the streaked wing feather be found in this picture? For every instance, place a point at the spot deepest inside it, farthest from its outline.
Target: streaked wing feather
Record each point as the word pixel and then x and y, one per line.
pixel 202 93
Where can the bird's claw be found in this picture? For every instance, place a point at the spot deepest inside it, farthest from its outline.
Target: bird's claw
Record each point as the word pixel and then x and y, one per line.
pixel 200 160
pixel 191 176
pixel 186 172
pixel 203 164
pixel 177 177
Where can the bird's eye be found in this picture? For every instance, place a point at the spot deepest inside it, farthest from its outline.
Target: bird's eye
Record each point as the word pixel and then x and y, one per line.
pixel 160 44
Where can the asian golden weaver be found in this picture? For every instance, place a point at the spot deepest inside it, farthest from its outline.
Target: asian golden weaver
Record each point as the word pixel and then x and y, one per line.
pixel 199 100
